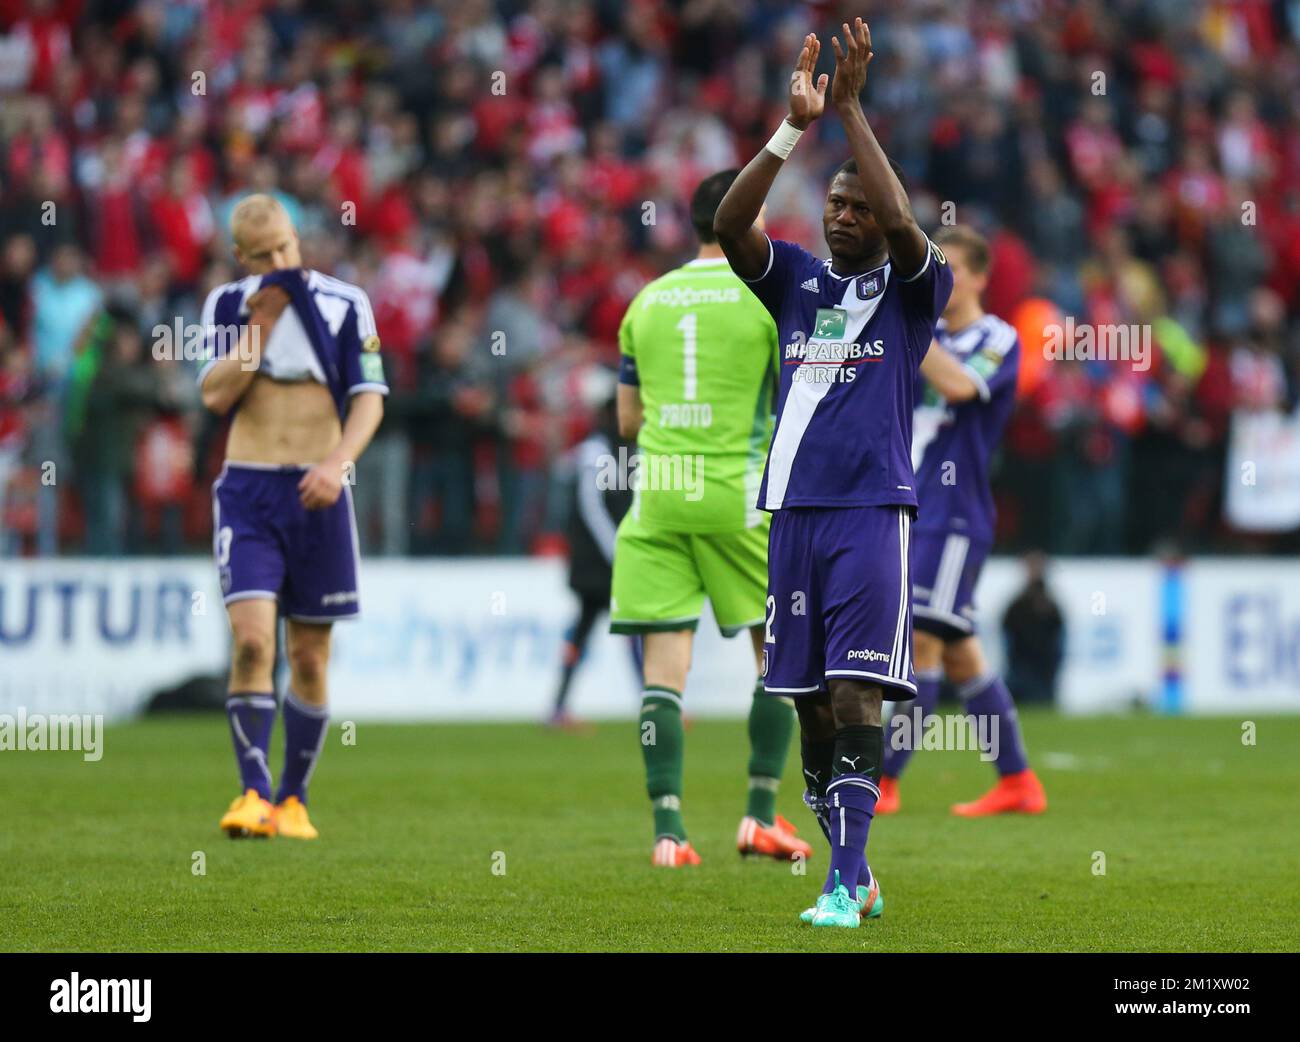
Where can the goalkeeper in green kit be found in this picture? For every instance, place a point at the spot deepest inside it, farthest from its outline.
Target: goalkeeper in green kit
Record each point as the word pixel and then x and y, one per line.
pixel 696 384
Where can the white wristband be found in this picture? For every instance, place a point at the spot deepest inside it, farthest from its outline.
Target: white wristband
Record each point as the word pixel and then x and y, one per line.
pixel 783 141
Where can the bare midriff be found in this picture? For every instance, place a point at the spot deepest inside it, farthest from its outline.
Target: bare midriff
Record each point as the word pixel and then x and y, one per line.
pixel 284 424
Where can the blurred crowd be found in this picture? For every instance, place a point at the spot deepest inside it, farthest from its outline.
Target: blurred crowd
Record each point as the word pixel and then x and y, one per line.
pixel 503 177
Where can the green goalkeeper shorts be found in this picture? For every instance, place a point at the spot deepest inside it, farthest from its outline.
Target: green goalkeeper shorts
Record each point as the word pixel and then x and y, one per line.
pixel 661 578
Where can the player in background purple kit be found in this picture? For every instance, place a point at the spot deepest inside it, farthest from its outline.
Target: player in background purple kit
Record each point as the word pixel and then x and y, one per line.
pixel 969 393
pixel 852 331
pixel 296 354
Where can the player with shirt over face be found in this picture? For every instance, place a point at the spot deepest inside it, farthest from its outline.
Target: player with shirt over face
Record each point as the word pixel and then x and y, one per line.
pixel 296 354
pixel 852 331
pixel 968 394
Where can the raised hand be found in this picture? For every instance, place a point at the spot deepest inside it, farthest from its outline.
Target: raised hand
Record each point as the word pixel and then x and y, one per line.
pixel 267 303
pixel 851 63
pixel 807 99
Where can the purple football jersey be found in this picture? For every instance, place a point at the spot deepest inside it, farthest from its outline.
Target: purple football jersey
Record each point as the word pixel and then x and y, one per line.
pixel 850 348
pixel 954 442
pixel 327 334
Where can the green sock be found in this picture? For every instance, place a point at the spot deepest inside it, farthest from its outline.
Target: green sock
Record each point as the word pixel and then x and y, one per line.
pixel 662 745
pixel 771 723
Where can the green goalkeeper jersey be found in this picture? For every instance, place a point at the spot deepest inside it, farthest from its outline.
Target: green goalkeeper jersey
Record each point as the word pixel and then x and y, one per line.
pixel 704 352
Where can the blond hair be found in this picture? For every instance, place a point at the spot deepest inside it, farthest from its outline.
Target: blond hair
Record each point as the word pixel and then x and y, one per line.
pixel 254 210
pixel 974 247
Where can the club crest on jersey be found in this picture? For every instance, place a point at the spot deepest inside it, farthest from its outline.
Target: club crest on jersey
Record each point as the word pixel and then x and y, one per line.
pixel 830 324
pixel 870 286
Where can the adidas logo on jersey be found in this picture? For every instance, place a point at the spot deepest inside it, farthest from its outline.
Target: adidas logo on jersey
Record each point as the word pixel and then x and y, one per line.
pixel 811 284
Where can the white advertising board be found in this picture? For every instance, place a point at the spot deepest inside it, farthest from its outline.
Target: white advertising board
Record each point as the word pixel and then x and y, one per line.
pixel 480 639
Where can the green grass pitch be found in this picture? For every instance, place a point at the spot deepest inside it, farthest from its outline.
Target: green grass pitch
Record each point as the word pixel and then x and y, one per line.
pixel 509 837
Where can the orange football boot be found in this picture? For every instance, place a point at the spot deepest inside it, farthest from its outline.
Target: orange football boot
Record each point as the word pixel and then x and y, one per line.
pixel 291 820
pixel 668 853
pixel 777 840
pixel 1020 793
pixel 249 815
pixel 888 802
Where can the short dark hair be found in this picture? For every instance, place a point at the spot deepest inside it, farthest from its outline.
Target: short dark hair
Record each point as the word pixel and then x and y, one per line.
pixel 705 200
pixel 850 166
pixel 974 247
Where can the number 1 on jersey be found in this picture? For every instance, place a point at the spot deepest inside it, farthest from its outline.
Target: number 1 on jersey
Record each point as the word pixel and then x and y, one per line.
pixel 688 327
